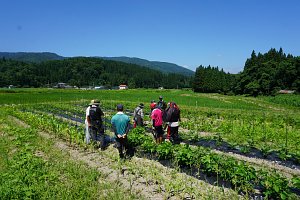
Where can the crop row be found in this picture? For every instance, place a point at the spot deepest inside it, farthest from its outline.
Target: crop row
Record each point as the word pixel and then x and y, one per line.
pixel 242 176
pixel 279 134
pixel 243 134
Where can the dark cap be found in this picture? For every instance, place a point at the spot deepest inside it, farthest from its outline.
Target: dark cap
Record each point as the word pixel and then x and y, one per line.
pixel 119 107
pixel 141 105
pixel 160 97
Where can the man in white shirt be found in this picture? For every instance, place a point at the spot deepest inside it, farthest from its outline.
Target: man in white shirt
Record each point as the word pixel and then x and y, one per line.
pixel 94 124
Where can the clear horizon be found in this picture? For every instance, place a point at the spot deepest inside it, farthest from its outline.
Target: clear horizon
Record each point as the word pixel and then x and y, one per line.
pixel 189 34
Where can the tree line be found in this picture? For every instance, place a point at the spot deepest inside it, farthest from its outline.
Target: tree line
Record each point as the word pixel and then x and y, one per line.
pixel 83 72
pixel 263 74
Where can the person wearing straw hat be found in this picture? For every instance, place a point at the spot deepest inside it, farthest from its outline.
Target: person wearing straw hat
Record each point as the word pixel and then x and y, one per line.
pixel 94 124
pixel 138 116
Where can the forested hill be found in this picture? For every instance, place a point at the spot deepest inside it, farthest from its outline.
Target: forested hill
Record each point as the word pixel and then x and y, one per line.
pixel 268 73
pixel 263 74
pixel 82 72
pixel 164 67
pixel 161 66
pixel 31 56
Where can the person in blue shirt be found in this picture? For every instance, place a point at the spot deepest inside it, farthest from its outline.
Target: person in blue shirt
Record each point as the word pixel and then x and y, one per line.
pixel 120 123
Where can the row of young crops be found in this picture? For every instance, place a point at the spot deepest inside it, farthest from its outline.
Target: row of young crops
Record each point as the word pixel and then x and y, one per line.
pixel 265 131
pixel 239 174
pixel 254 124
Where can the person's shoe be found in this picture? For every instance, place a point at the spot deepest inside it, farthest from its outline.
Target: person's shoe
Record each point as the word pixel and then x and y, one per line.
pixel 167 140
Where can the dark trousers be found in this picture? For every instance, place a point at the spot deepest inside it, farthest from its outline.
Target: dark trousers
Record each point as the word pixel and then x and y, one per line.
pixel 138 122
pixel 174 134
pixel 122 145
pixel 159 132
pixel 97 134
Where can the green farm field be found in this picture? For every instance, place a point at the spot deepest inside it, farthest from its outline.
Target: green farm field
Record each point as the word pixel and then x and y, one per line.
pixel 232 147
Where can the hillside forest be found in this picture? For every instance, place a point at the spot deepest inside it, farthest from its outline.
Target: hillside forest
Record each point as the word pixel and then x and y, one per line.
pixel 263 74
pixel 84 72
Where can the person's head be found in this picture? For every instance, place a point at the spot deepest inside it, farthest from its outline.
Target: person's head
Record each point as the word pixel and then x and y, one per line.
pixel 120 107
pixel 160 98
pixel 153 105
pixel 173 105
pixel 141 105
pixel 152 101
pixel 95 102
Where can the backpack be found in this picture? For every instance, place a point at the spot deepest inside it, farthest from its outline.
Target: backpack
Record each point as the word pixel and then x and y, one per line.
pixel 162 105
pixel 95 116
pixel 137 117
pixel 136 113
pixel 172 113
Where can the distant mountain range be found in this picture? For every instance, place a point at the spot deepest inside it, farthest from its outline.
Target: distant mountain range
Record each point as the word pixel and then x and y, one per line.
pixel 164 67
pixel 31 57
pixel 37 57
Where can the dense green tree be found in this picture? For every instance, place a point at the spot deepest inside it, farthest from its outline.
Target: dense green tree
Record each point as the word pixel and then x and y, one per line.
pixel 266 73
pixel 211 79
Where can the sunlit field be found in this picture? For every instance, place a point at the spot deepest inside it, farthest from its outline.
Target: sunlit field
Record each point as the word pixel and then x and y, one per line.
pixel 220 137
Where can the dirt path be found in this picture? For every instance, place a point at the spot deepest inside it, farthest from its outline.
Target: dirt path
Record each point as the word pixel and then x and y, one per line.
pixel 18 122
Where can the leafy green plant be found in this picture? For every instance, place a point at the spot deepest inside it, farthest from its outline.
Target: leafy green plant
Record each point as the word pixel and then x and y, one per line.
pixel 266 150
pixel 165 150
pixel 245 149
pixel 149 146
pixel 275 186
pixel 209 163
pixel 136 136
pixel 183 155
pixel 296 182
pixel 283 153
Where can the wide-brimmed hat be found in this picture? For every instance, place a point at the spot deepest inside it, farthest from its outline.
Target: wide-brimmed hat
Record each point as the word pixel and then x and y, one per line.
pixel 95 102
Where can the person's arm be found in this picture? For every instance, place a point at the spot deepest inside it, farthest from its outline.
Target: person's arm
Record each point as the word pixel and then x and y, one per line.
pixel 114 127
pixel 88 119
pixel 153 118
pixel 87 114
pixel 127 128
pixel 101 112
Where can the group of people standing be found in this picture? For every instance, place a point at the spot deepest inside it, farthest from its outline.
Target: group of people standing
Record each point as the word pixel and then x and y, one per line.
pixel 163 116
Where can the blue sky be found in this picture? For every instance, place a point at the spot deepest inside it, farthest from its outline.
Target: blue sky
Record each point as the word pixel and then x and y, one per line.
pixel 189 33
